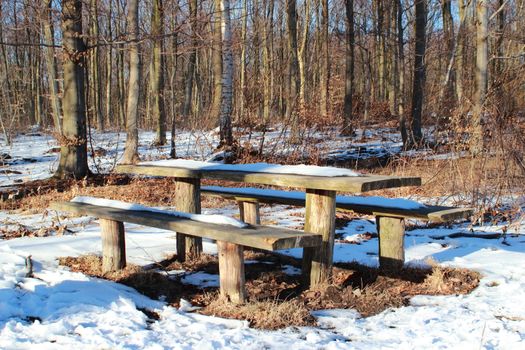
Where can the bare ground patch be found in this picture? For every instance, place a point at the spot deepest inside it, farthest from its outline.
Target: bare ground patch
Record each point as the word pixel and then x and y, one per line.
pixel 276 299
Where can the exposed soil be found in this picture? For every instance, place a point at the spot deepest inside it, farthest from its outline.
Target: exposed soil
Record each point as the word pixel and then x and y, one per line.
pixel 276 299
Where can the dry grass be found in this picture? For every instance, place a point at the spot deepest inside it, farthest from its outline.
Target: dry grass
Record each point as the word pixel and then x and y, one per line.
pixel 276 300
pixel 265 314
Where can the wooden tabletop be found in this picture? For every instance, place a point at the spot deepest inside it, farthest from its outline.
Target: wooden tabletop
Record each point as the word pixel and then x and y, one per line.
pixel 353 184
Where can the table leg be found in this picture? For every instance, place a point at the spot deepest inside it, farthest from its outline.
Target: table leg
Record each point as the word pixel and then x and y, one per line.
pixel 188 200
pixel 320 218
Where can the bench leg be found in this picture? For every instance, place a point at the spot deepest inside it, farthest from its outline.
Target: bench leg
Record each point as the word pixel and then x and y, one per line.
pixel 249 212
pixel 391 243
pixel 188 200
pixel 231 271
pixel 113 245
pixel 320 218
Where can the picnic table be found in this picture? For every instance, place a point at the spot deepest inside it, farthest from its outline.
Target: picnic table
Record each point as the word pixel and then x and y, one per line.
pixel 321 185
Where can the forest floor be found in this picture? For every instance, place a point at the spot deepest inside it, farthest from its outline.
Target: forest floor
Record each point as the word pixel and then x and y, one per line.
pixel 462 287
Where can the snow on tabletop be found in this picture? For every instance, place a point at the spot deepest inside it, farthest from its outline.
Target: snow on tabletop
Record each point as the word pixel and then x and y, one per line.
pixel 267 168
pixel 394 203
pixel 211 219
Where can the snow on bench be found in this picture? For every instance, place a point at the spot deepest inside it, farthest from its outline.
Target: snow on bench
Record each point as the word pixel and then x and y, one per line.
pixel 230 234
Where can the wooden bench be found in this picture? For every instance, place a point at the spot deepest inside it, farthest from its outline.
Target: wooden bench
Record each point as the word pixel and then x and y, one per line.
pixel 230 239
pixel 389 213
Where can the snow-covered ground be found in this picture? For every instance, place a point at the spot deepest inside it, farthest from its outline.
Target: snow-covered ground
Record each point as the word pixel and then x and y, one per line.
pixel 60 309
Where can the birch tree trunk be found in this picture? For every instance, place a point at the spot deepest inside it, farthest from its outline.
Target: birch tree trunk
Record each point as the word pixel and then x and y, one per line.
pixel 132 139
pixel 73 150
pixel 225 124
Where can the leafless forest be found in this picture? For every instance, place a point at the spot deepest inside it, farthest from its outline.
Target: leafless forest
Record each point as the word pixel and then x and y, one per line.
pixel 447 74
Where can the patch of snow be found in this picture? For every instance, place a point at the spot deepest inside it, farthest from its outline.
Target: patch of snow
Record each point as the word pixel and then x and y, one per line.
pixel 201 279
pixel 211 218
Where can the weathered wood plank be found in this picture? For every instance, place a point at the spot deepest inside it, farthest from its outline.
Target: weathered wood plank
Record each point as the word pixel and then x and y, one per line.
pixel 320 218
pixel 391 243
pixel 249 212
pixel 231 272
pixel 263 237
pixel 188 200
pixel 113 245
pixel 431 213
pixel 352 184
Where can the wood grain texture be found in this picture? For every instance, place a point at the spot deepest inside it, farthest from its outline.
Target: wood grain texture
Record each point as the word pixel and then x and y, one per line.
pixel 431 213
pixel 263 237
pixel 188 200
pixel 353 184
pixel 249 212
pixel 320 218
pixel 113 245
pixel 231 271
pixel 391 243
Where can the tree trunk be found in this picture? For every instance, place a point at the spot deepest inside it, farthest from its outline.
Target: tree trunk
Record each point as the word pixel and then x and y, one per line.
pixel 132 139
pixel 302 53
pixel 51 67
pixel 216 59
pixel 225 124
pixel 157 74
pixel 482 51
pixel 192 61
pixel 293 69
pixel 460 50
pixel 73 150
pixel 448 28
pixel 349 68
pixel 95 80
pixel 401 75
pixel 324 75
pixel 244 58
pixel 419 71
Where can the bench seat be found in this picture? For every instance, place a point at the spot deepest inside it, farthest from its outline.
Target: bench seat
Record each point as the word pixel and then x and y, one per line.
pixel 376 206
pixel 230 239
pixel 389 213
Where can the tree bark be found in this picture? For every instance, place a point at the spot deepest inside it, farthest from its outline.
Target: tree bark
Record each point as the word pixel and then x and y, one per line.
pixel 51 67
pixel 192 61
pixel 132 139
pixel 293 69
pixel 482 51
pixel 349 69
pixel 73 150
pixel 225 124
pixel 419 71
pixel 157 74
pixel 324 75
pixel 96 91
pixel 216 59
